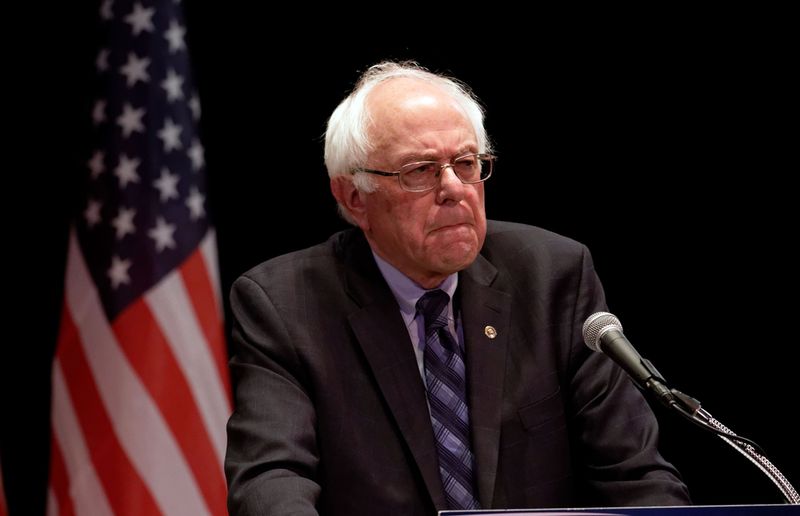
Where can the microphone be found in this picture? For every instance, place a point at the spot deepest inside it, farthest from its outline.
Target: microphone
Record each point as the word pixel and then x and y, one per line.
pixel 602 332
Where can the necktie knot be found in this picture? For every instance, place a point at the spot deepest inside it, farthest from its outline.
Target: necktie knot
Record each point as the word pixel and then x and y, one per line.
pixel 433 307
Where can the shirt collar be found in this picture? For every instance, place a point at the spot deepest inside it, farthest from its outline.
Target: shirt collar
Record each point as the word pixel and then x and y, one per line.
pixel 407 291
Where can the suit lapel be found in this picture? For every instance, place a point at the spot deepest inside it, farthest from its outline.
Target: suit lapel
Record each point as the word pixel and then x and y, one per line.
pixel 383 337
pixel 483 307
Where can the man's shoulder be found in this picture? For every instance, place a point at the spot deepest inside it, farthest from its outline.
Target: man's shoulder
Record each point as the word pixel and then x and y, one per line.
pixel 528 257
pixel 324 255
pixel 504 236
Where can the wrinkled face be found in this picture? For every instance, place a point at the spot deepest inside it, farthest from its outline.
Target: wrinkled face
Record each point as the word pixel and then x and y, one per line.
pixel 426 235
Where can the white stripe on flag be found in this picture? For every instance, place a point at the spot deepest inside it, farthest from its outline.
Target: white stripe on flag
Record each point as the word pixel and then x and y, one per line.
pixel 85 489
pixel 208 247
pixel 140 427
pixel 171 307
pixel 52 503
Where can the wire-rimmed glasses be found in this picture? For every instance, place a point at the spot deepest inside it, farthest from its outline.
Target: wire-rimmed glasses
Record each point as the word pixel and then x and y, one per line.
pixel 421 176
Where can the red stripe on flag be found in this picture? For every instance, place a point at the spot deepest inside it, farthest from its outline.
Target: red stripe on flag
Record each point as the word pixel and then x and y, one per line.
pixel 124 489
pixel 59 479
pixel 149 354
pixel 3 508
pixel 198 283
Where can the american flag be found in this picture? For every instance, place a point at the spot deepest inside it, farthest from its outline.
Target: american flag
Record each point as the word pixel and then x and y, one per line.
pixel 140 391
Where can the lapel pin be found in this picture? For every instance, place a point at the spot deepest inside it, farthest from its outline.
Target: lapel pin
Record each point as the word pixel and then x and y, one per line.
pixel 490 332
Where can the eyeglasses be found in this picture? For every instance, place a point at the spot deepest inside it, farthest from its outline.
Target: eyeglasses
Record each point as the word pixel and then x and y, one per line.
pixel 421 176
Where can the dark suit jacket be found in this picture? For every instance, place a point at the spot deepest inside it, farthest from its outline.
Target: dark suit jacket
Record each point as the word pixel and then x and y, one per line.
pixel 331 412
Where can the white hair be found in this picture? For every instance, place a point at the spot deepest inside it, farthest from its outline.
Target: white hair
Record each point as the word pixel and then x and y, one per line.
pixel 347 143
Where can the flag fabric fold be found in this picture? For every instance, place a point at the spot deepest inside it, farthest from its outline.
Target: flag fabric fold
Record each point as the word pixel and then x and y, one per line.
pixel 141 392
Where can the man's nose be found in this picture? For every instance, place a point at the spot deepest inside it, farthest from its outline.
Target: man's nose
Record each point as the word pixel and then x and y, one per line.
pixel 444 175
pixel 449 183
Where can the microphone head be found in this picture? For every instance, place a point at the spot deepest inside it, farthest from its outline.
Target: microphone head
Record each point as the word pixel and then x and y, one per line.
pixel 596 325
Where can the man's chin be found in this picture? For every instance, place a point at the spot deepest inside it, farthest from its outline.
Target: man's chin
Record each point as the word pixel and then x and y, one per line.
pixel 456 257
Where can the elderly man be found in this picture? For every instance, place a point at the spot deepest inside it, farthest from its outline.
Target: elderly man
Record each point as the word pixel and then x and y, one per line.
pixel 428 359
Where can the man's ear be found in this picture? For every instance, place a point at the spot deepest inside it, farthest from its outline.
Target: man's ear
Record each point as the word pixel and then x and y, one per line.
pixel 351 199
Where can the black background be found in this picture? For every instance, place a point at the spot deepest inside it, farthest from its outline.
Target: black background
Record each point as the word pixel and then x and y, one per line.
pixel 666 142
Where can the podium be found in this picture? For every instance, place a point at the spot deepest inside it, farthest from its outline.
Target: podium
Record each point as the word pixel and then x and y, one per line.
pixel 688 510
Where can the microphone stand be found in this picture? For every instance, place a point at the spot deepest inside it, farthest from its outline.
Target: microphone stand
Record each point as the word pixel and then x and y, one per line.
pixel 690 409
pixel 647 377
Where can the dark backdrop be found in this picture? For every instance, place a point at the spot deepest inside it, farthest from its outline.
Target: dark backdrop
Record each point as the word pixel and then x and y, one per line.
pixel 667 148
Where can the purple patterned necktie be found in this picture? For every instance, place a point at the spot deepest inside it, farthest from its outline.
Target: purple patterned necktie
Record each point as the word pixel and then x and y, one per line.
pixel 447 397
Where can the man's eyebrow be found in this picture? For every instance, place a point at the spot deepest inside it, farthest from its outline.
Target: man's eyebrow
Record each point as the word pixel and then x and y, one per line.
pixel 411 157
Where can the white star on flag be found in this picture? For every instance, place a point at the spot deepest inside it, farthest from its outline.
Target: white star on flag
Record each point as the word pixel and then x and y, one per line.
pixel 170 134
pixel 162 234
pixel 175 37
pixel 105 10
pixel 92 213
pixel 136 69
pixel 118 273
pixel 195 202
pixel 131 120
pixel 141 19
pixel 99 112
pixel 126 170
pixel 96 164
pixel 173 84
pixel 194 105
pixel 197 155
pixel 102 60
pixel 167 185
pixel 123 222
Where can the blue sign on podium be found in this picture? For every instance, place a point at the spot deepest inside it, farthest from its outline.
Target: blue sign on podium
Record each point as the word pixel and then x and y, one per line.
pixel 689 510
